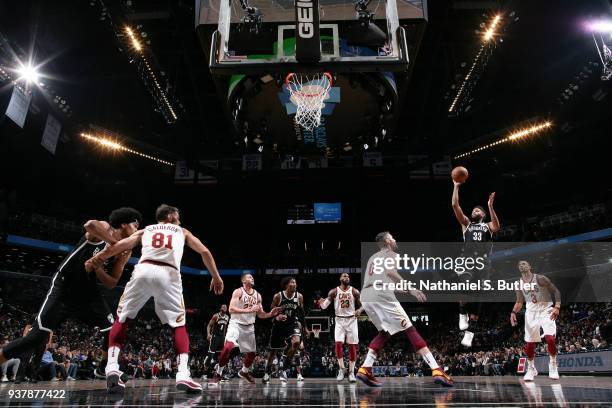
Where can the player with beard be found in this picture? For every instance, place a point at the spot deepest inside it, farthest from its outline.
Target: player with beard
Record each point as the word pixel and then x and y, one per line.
pixel 347 308
pixel 477 238
pixel 215 334
pixel 540 314
pixel 244 307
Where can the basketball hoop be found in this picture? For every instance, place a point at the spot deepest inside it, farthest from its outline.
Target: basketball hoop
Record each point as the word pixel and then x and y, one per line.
pixel 316 332
pixel 308 91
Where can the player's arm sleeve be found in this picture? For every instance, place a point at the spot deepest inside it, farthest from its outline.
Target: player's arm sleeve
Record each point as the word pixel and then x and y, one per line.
pixel 552 289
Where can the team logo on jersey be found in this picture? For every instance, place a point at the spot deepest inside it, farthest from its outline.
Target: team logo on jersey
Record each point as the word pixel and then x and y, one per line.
pixel 95 252
pixel 404 323
pixel 180 318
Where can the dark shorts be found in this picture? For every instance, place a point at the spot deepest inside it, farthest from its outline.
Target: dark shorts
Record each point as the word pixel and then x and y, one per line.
pixel 216 344
pixel 66 302
pixel 282 333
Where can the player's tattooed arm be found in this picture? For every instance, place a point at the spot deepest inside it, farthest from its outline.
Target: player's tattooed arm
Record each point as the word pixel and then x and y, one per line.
pixel 494 224
pixel 546 283
pixel 461 217
pixel 194 243
pixel 358 305
pixel 518 305
pixel 95 229
pixel 324 303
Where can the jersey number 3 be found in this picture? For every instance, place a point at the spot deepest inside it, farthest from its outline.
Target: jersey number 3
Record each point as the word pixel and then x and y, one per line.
pixel 158 240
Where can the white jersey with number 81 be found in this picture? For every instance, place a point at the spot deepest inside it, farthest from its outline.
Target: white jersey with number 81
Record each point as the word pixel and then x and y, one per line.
pixel 163 243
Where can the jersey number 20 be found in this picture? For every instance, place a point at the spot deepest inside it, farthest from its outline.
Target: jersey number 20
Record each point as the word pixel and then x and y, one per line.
pixel 159 239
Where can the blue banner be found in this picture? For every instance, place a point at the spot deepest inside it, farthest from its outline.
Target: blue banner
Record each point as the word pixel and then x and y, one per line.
pixel 55 247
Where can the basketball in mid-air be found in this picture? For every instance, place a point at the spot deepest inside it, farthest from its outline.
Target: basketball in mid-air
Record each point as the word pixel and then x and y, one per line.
pixel 459 174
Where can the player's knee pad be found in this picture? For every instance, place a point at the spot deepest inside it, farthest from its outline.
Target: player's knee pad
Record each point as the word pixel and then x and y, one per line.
pixel 181 340
pixel 248 359
pixel 552 344
pixel 415 339
pixel 379 341
pixel 352 352
pixel 339 352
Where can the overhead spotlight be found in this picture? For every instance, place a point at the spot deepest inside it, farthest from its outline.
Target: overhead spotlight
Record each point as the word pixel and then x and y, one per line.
pixel 603 26
pixel 488 35
pixel 28 73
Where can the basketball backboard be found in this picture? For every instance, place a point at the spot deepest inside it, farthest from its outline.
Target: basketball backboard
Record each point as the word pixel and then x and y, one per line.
pixel 259 36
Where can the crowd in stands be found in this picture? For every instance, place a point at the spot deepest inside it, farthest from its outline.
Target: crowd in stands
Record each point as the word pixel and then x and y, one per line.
pixel 75 349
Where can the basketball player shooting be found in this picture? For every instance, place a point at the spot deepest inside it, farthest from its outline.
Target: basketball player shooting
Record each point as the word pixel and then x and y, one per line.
pixel 74 291
pixel 387 314
pixel 157 275
pixel 215 334
pixel 475 231
pixel 540 314
pixel 244 307
pixel 345 299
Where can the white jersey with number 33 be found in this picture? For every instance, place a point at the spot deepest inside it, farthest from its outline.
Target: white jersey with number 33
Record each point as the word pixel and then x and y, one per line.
pixel 163 243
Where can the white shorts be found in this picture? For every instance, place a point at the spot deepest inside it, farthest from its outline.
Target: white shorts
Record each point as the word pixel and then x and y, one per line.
pixel 242 335
pixel 346 330
pixel 536 319
pixel 164 284
pixel 387 316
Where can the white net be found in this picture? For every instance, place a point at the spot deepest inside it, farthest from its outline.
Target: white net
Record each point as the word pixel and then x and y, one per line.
pixel 308 91
pixel 316 332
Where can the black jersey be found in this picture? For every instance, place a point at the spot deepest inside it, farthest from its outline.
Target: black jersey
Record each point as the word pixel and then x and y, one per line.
pixel 220 326
pixel 72 269
pixel 477 232
pixel 291 307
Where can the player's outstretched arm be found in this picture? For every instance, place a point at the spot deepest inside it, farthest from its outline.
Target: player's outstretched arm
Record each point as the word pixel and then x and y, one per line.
pixel 494 224
pixel 324 303
pixel 100 230
pixel 262 314
pixel 194 243
pixel 552 289
pixel 518 305
pixel 461 217
pixel 125 244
